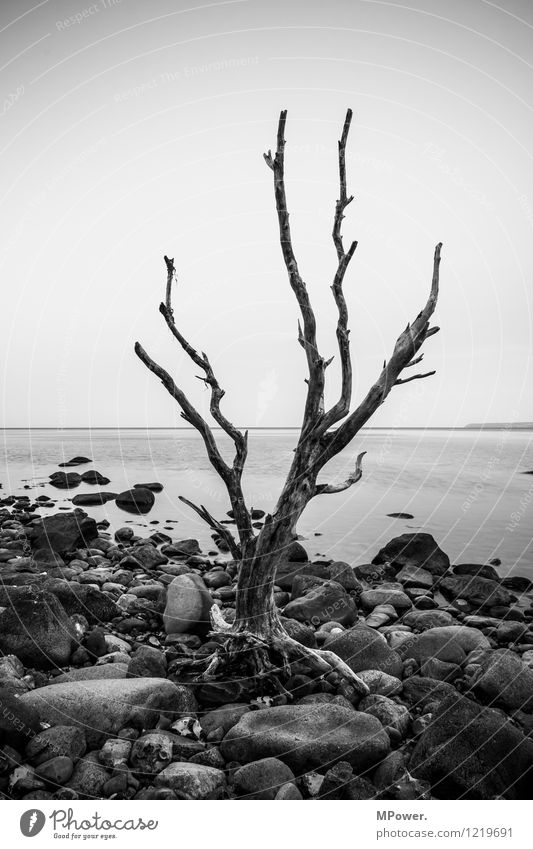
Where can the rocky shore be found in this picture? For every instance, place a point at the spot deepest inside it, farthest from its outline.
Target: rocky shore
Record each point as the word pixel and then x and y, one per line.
pixel 98 628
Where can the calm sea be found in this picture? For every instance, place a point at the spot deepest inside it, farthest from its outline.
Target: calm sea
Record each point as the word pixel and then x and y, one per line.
pixel 464 487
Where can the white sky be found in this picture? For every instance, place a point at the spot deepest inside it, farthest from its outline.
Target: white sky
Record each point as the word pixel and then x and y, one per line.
pixel 139 129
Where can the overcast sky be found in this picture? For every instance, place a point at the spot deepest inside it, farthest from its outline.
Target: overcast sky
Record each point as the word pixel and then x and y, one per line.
pixel 134 129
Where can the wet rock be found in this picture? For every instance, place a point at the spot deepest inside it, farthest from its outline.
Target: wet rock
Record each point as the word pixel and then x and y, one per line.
pixel 63 532
pixel 502 679
pixel 480 592
pixel 153 487
pixel 152 752
pixel 191 781
pixel 412 576
pixel 380 683
pixel 37 629
pixel 323 604
pixel 389 713
pixel 517 583
pixel 188 605
pixel 298 631
pixel 307 737
pixel 75 461
pixel 421 694
pixel 89 777
pixel 288 570
pixel 475 569
pixel 422 620
pixel 182 548
pixel 262 779
pixel 89 499
pixel 363 648
pixel 77 598
pixel 396 598
pixel 224 717
pixel 400 515
pixel 340 783
pixel 136 500
pixel 61 740
pixel 57 770
pixel 103 707
pixel 147 662
pixel 450 643
pixel 65 480
pixel 94 477
pixel 148 556
pixel 418 550
pixel 473 752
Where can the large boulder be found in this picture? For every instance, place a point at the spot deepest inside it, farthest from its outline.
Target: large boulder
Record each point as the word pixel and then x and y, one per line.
pixel 91 602
pixel 102 707
pixel 136 500
pixel 188 605
pixel 288 570
pixel 328 602
pixel 473 752
pixel 19 723
pixel 419 550
pixel 449 643
pixel 36 629
pixel 65 480
pixel 307 737
pixel 502 679
pixel 369 599
pixel 364 648
pixel 63 532
pixel 480 592
pixel 94 477
pixel 92 499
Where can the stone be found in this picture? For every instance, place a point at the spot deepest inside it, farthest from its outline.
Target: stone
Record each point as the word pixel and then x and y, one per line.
pixel 476 570
pixel 421 693
pixel 147 662
pixel 502 679
pixel 363 648
pixel 136 500
pixel 480 592
pixel 62 532
pixel 325 603
pixel 421 620
pixel 103 707
pixel 191 781
pixel 60 740
pixel 262 779
pixel 188 605
pixel 396 598
pixel 298 631
pixel 182 548
pixel 57 770
pixel 449 643
pixel 387 711
pixel 414 576
pixel 88 499
pixel 153 487
pixel 94 477
pixel 148 556
pixel 287 571
pixel 106 671
pixel 344 574
pixel 115 752
pixel 418 550
pixel 88 778
pixel 288 793
pixel 307 737
pixel 37 629
pixel 95 605
pixel 151 753
pixel 65 480
pixel 340 783
pixel 223 717
pixel 380 683
pixel 75 461
pixel 473 752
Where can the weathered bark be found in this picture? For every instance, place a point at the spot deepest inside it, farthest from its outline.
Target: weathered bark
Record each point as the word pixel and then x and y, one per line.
pixel 257 644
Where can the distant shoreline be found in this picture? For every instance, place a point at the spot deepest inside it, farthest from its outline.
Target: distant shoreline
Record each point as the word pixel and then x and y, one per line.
pixel 469 427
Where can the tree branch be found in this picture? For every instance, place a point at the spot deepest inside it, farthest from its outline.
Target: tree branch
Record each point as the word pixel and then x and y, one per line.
pixel 406 348
pixel 329 489
pixel 342 407
pixel 217 526
pixel 414 377
pixel 307 337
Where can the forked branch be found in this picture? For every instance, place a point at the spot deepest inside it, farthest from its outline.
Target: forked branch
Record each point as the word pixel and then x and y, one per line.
pixel 331 488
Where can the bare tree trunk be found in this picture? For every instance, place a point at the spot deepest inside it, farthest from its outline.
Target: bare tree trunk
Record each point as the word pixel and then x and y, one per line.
pixel 257 641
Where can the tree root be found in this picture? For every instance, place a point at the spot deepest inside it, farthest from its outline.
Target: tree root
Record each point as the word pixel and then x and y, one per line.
pixel 245 655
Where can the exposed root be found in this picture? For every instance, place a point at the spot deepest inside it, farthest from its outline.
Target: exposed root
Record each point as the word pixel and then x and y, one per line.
pixel 245 655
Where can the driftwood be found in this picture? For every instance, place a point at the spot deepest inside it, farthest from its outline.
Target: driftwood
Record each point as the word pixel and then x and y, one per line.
pixel 257 645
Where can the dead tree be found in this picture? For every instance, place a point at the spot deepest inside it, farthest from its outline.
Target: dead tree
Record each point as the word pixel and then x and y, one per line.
pixel 257 644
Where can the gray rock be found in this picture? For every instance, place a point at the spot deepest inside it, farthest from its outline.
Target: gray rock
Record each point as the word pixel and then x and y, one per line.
pixel 418 550
pixel 473 752
pixel 61 740
pixel 504 680
pixel 191 781
pixel 89 777
pixel 103 707
pixel 148 556
pixel 19 722
pixel 137 500
pixel 363 648
pixel 95 605
pixel 262 779
pixel 307 737
pixel 188 605
pixel 480 592
pixel 37 629
pixel 325 603
pixel 396 598
pixel 63 532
